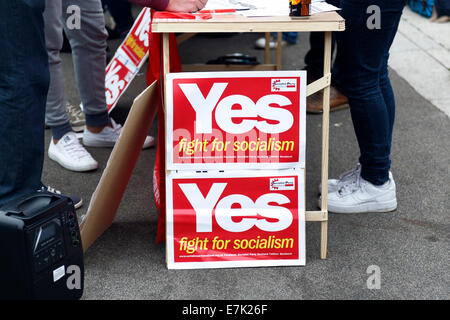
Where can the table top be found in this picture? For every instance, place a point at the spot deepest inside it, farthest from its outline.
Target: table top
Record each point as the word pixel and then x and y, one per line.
pixel 327 21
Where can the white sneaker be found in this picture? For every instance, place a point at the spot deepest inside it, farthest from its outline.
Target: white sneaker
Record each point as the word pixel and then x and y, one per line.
pixel 70 154
pixel 348 176
pixel 273 44
pixel 335 184
pixel 109 136
pixel 359 196
pixel 77 118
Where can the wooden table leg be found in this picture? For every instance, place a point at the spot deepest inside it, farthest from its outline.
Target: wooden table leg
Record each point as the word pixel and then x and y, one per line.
pixel 267 49
pixel 325 145
pixel 165 72
pixel 279 45
pixel 166 55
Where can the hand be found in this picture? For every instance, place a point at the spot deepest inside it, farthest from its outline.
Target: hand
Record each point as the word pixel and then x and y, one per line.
pixel 186 5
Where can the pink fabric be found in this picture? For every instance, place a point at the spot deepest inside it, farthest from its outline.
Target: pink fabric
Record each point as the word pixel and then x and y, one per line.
pixel 154 4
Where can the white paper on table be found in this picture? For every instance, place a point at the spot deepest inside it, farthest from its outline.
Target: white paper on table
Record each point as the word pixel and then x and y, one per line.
pixel 322 6
pixel 222 4
pixel 252 8
pixel 265 8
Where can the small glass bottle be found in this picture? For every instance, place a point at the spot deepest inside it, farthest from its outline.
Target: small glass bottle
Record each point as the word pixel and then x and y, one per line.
pixel 300 8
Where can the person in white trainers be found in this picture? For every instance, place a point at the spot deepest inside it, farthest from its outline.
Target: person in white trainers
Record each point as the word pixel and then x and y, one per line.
pixel 360 195
pixel 288 38
pixel 77 118
pixel 336 184
pixel 108 135
pixel 362 64
pixel 88 45
pixel 70 154
pixel 352 194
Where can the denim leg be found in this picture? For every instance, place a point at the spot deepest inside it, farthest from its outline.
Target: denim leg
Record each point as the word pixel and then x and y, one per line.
pixel 442 7
pixel 24 79
pixel 388 95
pixel 121 12
pixel 56 115
pixel 362 61
pixel 314 57
pixel 290 37
pixel 89 56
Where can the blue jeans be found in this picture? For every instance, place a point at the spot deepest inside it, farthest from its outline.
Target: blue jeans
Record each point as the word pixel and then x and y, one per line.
pixel 314 57
pixel 121 13
pixel 289 37
pixel 362 67
pixel 24 79
pixel 442 7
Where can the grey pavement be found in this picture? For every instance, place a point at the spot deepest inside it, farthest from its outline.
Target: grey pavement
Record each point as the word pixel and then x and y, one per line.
pixel 421 55
pixel 410 245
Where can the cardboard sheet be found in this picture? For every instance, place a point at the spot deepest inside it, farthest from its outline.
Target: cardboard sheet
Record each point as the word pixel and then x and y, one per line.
pixel 108 195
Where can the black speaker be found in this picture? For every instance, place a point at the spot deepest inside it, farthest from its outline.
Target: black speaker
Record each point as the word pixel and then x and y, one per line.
pixel 41 255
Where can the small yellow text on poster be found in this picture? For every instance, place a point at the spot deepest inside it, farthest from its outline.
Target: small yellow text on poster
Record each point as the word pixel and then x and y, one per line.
pixel 271 242
pixel 197 145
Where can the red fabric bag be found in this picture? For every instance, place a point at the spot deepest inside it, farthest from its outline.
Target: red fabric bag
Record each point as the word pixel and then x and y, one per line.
pixel 154 73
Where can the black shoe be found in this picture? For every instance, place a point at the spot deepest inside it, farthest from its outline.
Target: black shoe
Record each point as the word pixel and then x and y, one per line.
pixel 113 34
pixel 66 48
pixel 77 201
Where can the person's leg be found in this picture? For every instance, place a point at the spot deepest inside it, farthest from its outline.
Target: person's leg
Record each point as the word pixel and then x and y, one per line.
pixel 89 56
pixel 314 67
pixel 24 79
pixel 388 95
pixel 290 37
pixel 64 146
pixel 442 9
pixel 314 56
pixel 361 58
pixel 121 12
pixel 56 115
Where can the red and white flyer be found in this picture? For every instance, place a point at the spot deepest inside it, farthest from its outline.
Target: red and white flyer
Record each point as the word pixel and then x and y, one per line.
pixel 235 219
pixel 236 120
pixel 128 59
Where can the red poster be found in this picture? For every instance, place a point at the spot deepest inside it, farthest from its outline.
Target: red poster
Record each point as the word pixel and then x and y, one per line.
pixel 215 220
pixel 236 120
pixel 119 74
pixel 128 59
pixel 136 44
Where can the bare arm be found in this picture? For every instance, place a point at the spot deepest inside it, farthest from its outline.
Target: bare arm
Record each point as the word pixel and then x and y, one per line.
pixel 173 5
pixel 186 5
